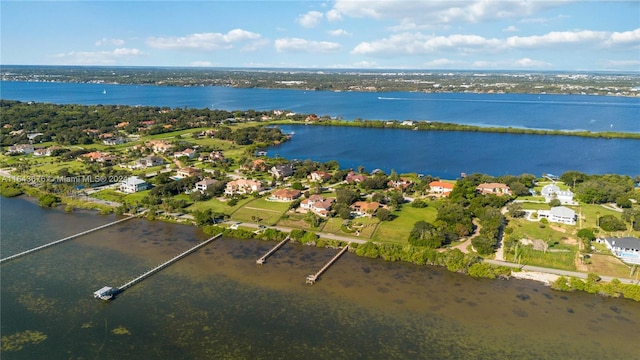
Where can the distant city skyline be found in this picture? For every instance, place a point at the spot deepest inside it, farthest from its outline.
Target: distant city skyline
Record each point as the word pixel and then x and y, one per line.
pixel 382 34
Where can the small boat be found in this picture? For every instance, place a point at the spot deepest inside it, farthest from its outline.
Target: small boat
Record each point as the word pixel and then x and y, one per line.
pixel 104 91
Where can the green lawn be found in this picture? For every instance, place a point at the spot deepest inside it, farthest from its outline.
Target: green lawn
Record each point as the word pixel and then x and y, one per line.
pixel 398 229
pixel 366 227
pixel 555 260
pixel 218 206
pixel 269 212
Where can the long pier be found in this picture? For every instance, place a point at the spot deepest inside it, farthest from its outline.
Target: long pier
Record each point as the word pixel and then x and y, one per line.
pixel 265 256
pixel 311 279
pixel 111 292
pixel 63 240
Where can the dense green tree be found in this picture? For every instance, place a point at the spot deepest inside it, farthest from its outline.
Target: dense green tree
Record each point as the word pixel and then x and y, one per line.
pixel 611 223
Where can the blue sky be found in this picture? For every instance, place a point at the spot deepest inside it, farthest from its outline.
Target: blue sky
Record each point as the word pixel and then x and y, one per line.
pixel 383 34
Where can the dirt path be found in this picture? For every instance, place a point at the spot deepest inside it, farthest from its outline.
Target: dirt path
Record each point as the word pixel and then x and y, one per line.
pixel 463 247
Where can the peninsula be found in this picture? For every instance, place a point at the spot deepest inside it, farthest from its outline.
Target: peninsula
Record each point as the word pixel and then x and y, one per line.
pixel 208 168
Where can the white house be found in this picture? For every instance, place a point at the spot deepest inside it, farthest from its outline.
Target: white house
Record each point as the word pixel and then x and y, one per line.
pixel 626 249
pixel 559 214
pixel 552 191
pixel 21 149
pixel 133 184
pixel 204 184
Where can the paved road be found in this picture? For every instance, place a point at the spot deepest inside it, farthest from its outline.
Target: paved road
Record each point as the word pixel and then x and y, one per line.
pixel 558 272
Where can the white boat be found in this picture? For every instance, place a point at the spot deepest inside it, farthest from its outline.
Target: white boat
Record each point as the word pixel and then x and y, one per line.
pixel 104 91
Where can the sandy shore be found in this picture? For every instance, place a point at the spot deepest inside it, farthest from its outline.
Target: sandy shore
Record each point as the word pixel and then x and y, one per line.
pixel 545 278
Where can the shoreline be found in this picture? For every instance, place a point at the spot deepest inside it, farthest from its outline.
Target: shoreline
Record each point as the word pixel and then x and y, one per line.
pixel 547 278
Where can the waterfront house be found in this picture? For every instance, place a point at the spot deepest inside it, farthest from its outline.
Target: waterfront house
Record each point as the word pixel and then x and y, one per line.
pixel 559 214
pixel 552 191
pixel 318 205
pixel 354 178
pixel 282 171
pixel 626 249
pixel 285 195
pixel 493 188
pixel 242 186
pixel 187 172
pixel 441 187
pixel 21 149
pixel 133 184
pixel 320 176
pixel 204 184
pixel 400 184
pixel 363 208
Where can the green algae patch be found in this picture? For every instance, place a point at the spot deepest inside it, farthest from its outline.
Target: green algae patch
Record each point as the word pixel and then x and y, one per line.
pixel 121 330
pixel 17 341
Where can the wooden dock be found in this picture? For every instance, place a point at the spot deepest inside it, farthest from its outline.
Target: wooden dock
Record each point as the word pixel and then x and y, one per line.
pixel 311 279
pixel 129 284
pixel 63 240
pixel 265 256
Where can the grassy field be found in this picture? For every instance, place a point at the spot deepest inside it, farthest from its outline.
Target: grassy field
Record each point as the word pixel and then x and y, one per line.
pixel 555 260
pixel 218 206
pixel 269 212
pixel 398 229
pixel 364 226
pixel 532 230
pixel 608 265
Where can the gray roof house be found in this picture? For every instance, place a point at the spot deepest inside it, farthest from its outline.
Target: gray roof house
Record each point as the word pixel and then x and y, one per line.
pixel 133 184
pixel 559 214
pixel 626 249
pixel 282 171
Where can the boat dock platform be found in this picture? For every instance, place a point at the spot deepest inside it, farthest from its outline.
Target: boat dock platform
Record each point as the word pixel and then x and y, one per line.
pixel 107 292
pixel 311 279
pixel 63 240
pixel 265 256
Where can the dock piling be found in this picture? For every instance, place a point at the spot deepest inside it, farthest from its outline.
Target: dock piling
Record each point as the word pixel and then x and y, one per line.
pixel 261 260
pixel 311 279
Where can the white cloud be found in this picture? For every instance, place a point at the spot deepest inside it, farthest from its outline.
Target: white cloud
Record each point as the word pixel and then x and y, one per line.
pixel 308 46
pixel 107 41
pixel 556 37
pixel 415 43
pixel 201 64
pixel 511 28
pixel 203 41
pixel 630 64
pixel 626 37
pixel 96 57
pixel 339 32
pixel 439 11
pixel 440 63
pixel 333 15
pixel 524 63
pixel 310 19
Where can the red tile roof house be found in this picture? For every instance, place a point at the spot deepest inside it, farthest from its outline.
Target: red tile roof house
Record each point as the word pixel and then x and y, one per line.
pixel 363 208
pixel 493 188
pixel 318 205
pixel 441 187
pixel 285 195
pixel 352 177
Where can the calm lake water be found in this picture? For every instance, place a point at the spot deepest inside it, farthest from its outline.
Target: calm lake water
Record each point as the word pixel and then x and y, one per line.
pixel 443 154
pixel 218 304
pixel 448 153
pixel 564 112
